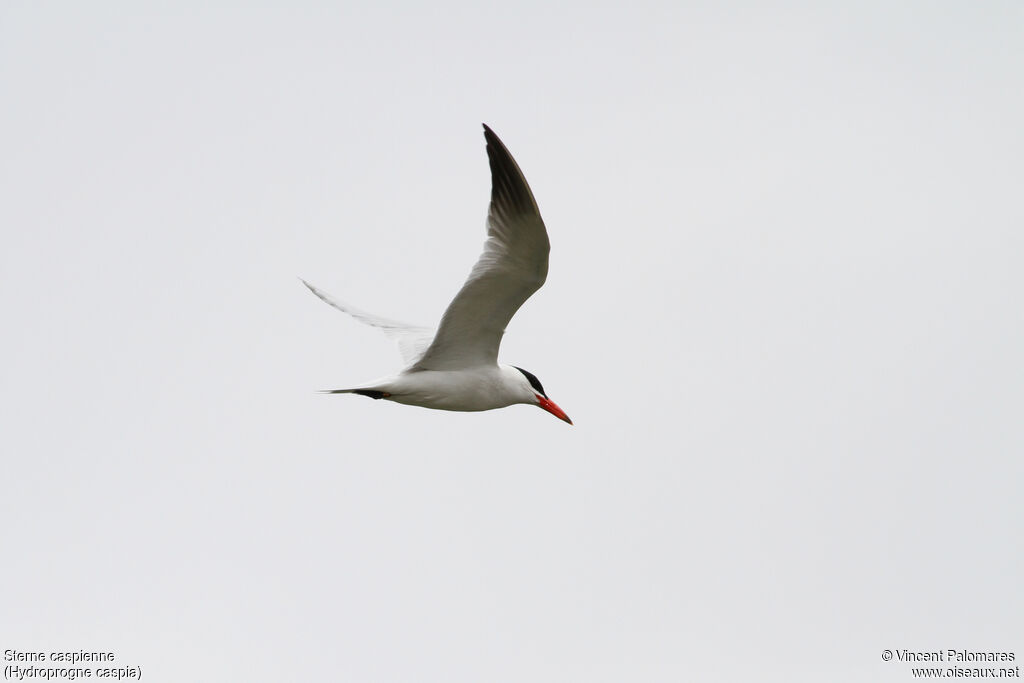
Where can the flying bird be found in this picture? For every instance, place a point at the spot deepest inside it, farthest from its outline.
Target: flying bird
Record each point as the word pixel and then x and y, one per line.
pixel 456 367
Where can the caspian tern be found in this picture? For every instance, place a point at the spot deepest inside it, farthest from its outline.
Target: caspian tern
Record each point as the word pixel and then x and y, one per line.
pixel 456 367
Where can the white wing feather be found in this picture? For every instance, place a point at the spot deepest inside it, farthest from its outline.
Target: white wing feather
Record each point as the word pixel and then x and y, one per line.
pixel 412 340
pixel 513 266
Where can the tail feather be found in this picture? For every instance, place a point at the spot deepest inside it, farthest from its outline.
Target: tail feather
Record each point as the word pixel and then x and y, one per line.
pixel 375 394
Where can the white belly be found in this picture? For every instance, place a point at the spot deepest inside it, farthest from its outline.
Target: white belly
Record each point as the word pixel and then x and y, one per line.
pixel 466 390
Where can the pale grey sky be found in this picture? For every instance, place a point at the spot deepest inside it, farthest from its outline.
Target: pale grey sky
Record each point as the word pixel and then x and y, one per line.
pixel 784 312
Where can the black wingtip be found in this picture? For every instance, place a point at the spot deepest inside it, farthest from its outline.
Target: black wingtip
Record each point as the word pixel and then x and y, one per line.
pixel 510 194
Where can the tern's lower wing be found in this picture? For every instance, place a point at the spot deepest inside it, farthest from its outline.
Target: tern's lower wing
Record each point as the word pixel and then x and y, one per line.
pixel 412 340
pixel 513 266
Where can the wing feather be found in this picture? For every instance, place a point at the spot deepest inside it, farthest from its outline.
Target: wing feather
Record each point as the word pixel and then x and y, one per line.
pixel 513 265
pixel 412 340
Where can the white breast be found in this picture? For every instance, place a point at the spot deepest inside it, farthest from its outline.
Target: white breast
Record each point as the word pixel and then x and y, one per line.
pixel 471 389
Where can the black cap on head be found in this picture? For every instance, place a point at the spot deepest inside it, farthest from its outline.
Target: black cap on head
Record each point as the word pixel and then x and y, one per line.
pixel 534 382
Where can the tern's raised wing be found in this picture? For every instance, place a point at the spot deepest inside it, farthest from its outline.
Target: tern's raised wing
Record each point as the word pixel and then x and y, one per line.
pixel 513 266
pixel 412 340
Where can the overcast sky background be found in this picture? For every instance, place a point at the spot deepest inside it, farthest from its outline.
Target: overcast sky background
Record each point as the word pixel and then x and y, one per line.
pixel 783 310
